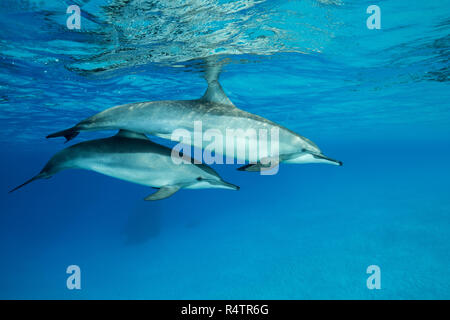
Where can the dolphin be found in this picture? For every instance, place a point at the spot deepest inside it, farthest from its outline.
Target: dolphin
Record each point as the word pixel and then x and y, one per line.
pixel 216 112
pixel 131 156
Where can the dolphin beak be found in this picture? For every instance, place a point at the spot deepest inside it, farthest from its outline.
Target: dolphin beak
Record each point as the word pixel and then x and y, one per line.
pixel 328 160
pixel 227 185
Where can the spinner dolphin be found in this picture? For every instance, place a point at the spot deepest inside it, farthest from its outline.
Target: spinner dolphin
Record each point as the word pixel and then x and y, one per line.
pixel 133 157
pixel 216 112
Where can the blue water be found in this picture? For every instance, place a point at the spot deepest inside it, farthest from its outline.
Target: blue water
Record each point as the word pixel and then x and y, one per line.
pixel 376 99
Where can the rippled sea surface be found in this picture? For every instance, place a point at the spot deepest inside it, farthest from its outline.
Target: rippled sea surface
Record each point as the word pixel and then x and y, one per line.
pixel 376 99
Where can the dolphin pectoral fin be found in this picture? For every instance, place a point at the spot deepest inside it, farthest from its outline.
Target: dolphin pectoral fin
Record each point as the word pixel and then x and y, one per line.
pixel 265 164
pixel 69 134
pixel 162 193
pixel 251 167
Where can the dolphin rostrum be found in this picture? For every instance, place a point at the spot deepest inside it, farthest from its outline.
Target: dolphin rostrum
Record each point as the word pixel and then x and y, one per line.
pixel 133 157
pixel 215 111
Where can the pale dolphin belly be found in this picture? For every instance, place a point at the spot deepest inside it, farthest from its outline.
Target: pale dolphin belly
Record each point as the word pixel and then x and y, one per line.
pixel 117 158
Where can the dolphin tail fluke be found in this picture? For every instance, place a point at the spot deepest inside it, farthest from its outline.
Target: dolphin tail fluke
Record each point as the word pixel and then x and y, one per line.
pixel 69 134
pixel 39 176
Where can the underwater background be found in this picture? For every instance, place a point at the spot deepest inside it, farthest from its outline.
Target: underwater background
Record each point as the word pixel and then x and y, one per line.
pixel 376 99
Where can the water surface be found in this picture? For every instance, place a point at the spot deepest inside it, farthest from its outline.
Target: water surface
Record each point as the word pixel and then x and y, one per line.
pixel 376 99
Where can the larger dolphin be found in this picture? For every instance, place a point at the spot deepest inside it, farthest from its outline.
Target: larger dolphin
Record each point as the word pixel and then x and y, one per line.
pixel 216 112
pixel 133 157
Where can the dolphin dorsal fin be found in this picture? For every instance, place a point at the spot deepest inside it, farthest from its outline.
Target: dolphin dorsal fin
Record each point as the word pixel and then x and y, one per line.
pixel 214 93
pixel 131 134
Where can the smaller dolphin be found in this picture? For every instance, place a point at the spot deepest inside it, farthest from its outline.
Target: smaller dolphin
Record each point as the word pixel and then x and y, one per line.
pixel 133 157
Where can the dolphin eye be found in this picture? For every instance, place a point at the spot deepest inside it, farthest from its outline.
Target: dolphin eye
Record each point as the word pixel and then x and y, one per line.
pixel 199 179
